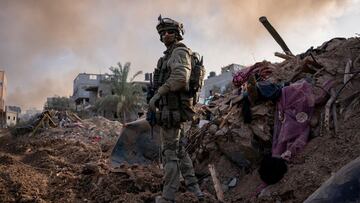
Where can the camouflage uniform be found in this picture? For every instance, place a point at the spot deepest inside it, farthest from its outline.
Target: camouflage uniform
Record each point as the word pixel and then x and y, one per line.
pixel 171 78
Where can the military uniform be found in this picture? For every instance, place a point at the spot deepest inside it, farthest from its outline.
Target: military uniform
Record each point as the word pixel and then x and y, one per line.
pixel 171 79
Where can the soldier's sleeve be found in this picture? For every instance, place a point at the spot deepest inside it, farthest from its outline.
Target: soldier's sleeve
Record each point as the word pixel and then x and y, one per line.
pixel 180 64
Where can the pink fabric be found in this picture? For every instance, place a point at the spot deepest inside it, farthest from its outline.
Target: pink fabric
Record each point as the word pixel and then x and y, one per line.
pixel 243 75
pixel 292 120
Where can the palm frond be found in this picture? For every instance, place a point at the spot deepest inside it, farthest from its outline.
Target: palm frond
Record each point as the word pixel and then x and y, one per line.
pixel 128 98
pixel 135 75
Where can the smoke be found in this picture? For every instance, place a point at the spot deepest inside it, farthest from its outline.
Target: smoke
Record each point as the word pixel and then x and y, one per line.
pixel 280 13
pixel 45 44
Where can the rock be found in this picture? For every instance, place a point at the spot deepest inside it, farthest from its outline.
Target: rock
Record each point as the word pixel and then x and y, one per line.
pixel 223 108
pixel 211 146
pixel 232 182
pixel 202 123
pixel 260 110
pixel 240 151
pixel 261 129
pixel 244 132
pixel 266 192
pixel 90 168
pixel 221 132
pixel 213 128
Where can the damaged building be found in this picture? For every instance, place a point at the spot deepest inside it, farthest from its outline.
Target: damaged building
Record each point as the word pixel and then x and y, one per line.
pixel 219 83
pixel 9 115
pixel 3 86
pixel 12 115
pixel 88 88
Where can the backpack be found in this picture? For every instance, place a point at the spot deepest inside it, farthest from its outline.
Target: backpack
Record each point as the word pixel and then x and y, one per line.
pixel 196 76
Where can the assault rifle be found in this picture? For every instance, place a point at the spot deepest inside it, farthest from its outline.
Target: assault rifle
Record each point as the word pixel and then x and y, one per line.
pixel 151 115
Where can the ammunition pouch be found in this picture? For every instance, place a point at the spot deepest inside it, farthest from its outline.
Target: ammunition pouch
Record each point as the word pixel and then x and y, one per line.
pixel 187 111
pixel 171 101
pixel 175 109
pixel 169 119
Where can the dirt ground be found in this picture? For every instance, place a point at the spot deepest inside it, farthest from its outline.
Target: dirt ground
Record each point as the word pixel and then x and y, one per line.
pixel 51 167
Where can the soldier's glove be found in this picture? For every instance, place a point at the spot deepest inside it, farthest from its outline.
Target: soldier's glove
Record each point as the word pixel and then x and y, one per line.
pixel 153 100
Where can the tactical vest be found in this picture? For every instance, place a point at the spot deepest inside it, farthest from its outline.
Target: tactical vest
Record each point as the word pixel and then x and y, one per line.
pixel 175 107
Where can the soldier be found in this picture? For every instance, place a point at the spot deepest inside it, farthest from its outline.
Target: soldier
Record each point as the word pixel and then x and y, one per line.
pixel 171 83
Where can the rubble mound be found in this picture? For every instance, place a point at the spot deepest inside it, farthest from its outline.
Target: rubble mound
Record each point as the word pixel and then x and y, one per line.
pixel 68 165
pixel 237 146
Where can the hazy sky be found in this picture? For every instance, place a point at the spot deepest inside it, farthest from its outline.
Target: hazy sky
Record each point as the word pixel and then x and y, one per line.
pixel 44 44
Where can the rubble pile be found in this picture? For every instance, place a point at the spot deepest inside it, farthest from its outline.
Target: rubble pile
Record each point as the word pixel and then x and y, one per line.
pixel 236 146
pixel 68 170
pixel 69 125
pixel 71 164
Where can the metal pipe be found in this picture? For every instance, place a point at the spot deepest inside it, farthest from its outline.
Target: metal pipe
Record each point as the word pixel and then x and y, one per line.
pixel 275 35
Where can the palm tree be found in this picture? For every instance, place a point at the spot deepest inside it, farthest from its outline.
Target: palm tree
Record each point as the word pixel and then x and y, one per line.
pixel 127 96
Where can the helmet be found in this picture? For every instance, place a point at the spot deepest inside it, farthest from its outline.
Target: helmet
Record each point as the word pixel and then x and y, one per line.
pixel 170 24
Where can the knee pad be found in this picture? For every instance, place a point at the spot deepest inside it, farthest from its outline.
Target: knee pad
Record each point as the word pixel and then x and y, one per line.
pixel 170 155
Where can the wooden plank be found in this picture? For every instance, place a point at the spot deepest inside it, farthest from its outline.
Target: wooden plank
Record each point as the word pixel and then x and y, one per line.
pixel 225 118
pixel 217 184
pixel 328 105
pixel 284 56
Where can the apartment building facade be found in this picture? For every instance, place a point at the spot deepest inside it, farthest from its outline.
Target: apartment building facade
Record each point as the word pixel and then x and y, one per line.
pixel 12 115
pixel 88 87
pixel 221 81
pixel 3 92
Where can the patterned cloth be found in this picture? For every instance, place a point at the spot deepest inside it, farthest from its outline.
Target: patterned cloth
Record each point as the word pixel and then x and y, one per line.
pixel 292 119
pixel 262 69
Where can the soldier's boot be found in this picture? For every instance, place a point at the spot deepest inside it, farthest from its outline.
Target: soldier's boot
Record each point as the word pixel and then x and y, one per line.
pixel 160 199
pixel 195 189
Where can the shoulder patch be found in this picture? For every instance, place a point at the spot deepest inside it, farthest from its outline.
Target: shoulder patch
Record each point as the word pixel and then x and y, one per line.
pixel 181 55
pixel 182 49
pixel 183 58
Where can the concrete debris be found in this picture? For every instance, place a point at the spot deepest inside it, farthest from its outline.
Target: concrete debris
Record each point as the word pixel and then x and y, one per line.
pixel 232 182
pixel 244 144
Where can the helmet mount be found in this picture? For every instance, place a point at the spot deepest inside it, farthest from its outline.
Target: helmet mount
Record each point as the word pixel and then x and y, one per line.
pixel 166 24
